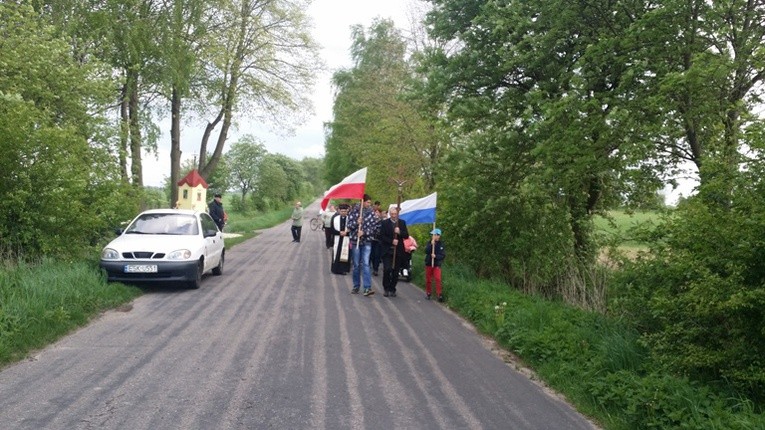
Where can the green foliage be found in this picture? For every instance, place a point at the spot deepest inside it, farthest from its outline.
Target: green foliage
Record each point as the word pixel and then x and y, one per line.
pixel 661 401
pixel 626 228
pixel 260 59
pixel 244 160
pixel 375 124
pixel 64 188
pixel 598 362
pixel 39 303
pixel 700 298
pixel 541 143
pixel 503 225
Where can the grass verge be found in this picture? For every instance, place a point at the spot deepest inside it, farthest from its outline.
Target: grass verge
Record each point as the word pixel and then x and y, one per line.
pixel 39 303
pixel 597 362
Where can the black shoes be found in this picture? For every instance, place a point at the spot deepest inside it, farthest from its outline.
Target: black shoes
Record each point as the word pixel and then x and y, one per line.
pixel 440 298
pixel 427 296
pixel 393 294
pixel 385 294
pixel 355 291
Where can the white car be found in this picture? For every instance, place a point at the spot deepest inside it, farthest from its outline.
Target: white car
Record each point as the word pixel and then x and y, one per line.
pixel 166 245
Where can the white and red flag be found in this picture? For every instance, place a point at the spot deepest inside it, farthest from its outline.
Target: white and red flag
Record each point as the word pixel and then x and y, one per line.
pixel 352 187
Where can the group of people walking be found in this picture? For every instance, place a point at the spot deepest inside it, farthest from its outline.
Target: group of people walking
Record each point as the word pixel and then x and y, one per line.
pixel 355 233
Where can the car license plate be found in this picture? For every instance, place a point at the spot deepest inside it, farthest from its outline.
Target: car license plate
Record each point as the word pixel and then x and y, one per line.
pixel 141 268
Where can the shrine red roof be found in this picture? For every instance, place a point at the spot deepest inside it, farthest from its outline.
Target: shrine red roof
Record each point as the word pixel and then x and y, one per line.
pixel 193 179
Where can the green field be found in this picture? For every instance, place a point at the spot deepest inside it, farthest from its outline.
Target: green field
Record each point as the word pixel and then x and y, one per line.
pixel 620 226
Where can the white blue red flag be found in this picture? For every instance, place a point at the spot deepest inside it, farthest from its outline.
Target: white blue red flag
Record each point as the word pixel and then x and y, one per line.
pixel 419 211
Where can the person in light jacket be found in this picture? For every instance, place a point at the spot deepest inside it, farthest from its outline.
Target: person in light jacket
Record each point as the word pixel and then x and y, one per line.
pixel 297 221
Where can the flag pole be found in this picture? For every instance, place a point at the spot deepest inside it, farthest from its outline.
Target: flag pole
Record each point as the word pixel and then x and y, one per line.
pixel 433 248
pixel 361 220
pixel 400 184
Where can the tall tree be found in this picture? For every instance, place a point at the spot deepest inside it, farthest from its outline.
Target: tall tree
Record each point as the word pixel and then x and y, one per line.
pixel 702 66
pixel 533 97
pixel 183 30
pixel 261 60
pixel 374 124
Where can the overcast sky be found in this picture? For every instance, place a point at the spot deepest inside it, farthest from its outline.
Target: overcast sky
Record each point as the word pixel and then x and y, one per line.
pixel 332 20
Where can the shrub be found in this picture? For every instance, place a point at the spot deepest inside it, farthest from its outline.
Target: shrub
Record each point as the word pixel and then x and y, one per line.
pixel 699 299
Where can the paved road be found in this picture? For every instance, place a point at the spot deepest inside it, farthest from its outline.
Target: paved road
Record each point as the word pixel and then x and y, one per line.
pixel 277 342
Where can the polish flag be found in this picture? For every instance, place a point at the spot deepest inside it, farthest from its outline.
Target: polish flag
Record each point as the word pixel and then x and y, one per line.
pixel 352 187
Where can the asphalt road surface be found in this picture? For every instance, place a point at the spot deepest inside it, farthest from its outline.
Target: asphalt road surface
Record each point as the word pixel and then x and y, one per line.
pixel 277 342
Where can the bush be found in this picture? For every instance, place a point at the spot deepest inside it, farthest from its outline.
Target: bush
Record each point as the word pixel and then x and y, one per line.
pixel 699 300
pixel 599 362
pixel 661 401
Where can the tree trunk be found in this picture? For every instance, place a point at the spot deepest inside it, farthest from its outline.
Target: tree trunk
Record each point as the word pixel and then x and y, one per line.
pixel 175 145
pixel 124 134
pixel 227 111
pixel 135 130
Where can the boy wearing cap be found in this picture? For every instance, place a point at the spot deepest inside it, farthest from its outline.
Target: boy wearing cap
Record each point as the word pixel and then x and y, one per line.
pixel 434 256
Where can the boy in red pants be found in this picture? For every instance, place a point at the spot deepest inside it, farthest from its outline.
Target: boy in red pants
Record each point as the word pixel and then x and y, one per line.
pixel 434 256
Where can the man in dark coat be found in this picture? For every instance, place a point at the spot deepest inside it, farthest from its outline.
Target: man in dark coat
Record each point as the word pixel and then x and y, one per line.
pixel 215 209
pixel 338 224
pixel 393 231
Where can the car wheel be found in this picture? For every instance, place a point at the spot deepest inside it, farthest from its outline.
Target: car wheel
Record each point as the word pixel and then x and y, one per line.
pixel 197 282
pixel 218 270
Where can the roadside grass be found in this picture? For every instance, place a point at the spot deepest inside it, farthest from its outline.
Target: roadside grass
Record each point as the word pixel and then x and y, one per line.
pixel 40 302
pixel 598 363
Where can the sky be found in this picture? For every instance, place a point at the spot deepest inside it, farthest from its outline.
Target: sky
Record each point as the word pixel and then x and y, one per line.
pixel 332 21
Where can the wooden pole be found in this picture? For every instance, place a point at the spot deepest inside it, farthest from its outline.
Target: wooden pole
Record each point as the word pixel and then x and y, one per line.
pixel 400 184
pixel 433 248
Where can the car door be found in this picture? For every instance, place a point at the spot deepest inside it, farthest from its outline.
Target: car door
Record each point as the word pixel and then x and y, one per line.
pixel 213 241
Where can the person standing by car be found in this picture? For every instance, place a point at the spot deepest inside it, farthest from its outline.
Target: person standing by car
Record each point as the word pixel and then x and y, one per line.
pixel 297 221
pixel 215 209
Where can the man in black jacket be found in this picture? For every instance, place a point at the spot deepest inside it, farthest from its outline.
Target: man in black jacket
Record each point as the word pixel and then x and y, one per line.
pixel 215 209
pixel 393 231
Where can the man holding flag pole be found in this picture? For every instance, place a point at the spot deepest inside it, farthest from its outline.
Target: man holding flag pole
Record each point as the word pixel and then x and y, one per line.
pixel 363 225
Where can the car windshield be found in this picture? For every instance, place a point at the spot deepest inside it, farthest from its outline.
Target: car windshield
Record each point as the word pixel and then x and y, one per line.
pixel 167 223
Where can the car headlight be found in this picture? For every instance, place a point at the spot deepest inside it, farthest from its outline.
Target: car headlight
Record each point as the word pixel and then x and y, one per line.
pixel 110 254
pixel 181 254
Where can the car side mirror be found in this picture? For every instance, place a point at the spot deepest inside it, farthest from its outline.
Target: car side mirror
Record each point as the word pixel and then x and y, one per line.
pixel 210 233
pixel 119 231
